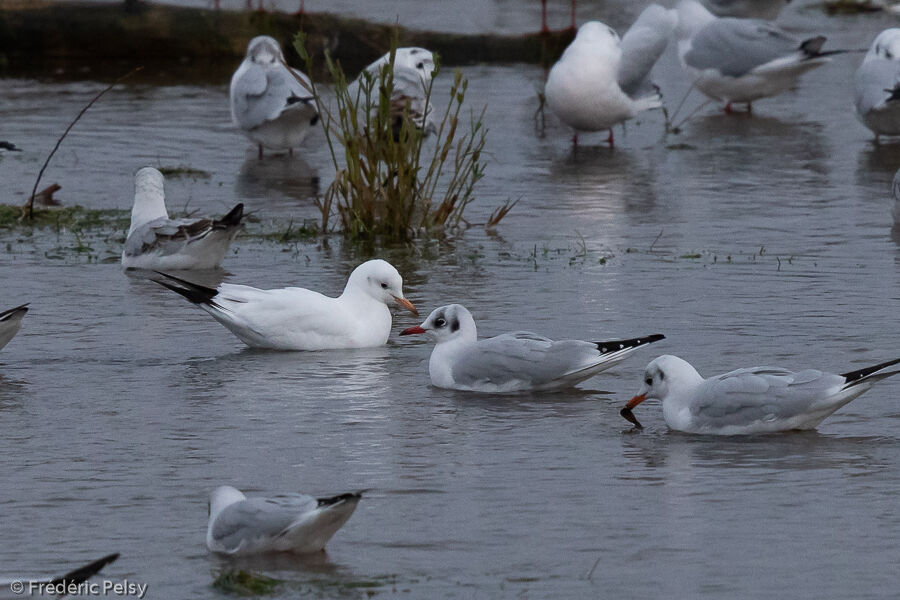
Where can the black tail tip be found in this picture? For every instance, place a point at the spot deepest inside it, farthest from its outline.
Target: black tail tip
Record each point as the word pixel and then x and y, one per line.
pixel 813 46
pixel 82 574
pixel 854 376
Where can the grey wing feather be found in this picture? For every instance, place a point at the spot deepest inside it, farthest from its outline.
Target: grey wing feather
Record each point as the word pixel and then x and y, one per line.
pixel 642 45
pixel 872 79
pixel 259 517
pixel 165 236
pixel 255 106
pixel 521 356
pixel 760 394
pixel 735 47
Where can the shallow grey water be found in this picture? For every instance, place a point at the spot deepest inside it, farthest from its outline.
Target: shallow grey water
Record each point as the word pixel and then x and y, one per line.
pixel 123 405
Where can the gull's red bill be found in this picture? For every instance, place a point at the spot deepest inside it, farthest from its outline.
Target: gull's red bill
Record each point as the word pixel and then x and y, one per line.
pixel 412 331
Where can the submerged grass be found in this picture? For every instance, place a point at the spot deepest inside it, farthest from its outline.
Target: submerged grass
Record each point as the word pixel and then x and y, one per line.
pixel 69 217
pixel 243 583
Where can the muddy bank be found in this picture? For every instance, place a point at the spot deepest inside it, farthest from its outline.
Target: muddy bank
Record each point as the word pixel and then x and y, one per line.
pixel 82 40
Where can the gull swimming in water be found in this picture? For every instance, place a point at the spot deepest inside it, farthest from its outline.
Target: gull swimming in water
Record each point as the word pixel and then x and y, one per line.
pixel 512 362
pixel 155 241
pixel 268 103
pixel 10 322
pixel 878 85
pixel 746 401
pixel 742 60
pixel 299 319
pixel 601 81
pixel 298 523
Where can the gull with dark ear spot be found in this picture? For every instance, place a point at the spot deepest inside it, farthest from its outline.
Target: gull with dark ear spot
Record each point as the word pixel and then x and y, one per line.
pixel 271 103
pixel 512 362
pixel 299 319
pixel 240 526
pixel 157 242
pixel 877 86
pixel 748 401
pixel 10 322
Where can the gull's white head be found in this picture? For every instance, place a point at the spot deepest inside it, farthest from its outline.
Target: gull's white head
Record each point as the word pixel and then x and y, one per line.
pixel 664 376
pixel 149 197
pixel 599 35
pixel 419 59
pixel 221 497
pixel 886 45
pixel 447 323
pixel 380 280
pixel 264 50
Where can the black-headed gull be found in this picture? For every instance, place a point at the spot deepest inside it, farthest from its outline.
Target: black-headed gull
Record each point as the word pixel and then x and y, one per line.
pixel 413 69
pixel 747 9
pixel 239 525
pixel 747 401
pixel 299 319
pixel 742 60
pixel 512 362
pixel 268 104
pixel 601 81
pixel 877 97
pixel 10 322
pixel 157 242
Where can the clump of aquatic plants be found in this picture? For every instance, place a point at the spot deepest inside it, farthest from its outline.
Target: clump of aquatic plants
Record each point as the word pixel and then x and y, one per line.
pixel 389 182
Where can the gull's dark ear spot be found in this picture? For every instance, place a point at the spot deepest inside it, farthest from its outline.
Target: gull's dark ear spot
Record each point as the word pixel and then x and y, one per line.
pixel 662 375
pixel 454 326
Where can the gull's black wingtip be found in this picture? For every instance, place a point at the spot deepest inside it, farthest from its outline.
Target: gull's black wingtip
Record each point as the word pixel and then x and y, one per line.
pixel 232 219
pixel 194 292
pixel 617 345
pixel 8 313
pixel 82 574
pixel 350 496
pixel 855 377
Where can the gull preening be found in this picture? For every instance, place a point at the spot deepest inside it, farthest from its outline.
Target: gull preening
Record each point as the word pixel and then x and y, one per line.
pixel 512 362
pixel 268 103
pixel 746 401
pixel 742 60
pixel 157 242
pixel 412 73
pixel 298 523
pixel 747 9
pixel 10 322
pixel 601 81
pixel 877 96
pixel 299 319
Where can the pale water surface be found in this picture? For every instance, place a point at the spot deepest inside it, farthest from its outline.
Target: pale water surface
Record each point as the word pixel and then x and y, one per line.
pixel 746 240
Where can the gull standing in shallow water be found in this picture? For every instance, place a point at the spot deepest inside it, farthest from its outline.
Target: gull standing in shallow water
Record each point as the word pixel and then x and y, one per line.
pixel 299 319
pixel 601 81
pixel 239 525
pixel 512 362
pixel 10 322
pixel 157 242
pixel 878 85
pixel 742 60
pixel 413 69
pixel 268 103
pixel 747 401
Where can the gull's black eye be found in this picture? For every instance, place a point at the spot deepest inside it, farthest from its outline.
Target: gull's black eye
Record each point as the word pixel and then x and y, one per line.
pixel 384 286
pixel 421 65
pixel 649 381
pixel 439 322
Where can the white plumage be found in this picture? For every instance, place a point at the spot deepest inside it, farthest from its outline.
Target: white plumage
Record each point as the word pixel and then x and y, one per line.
pixel 877 85
pixel 746 401
pixel 299 319
pixel 157 242
pixel 10 322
